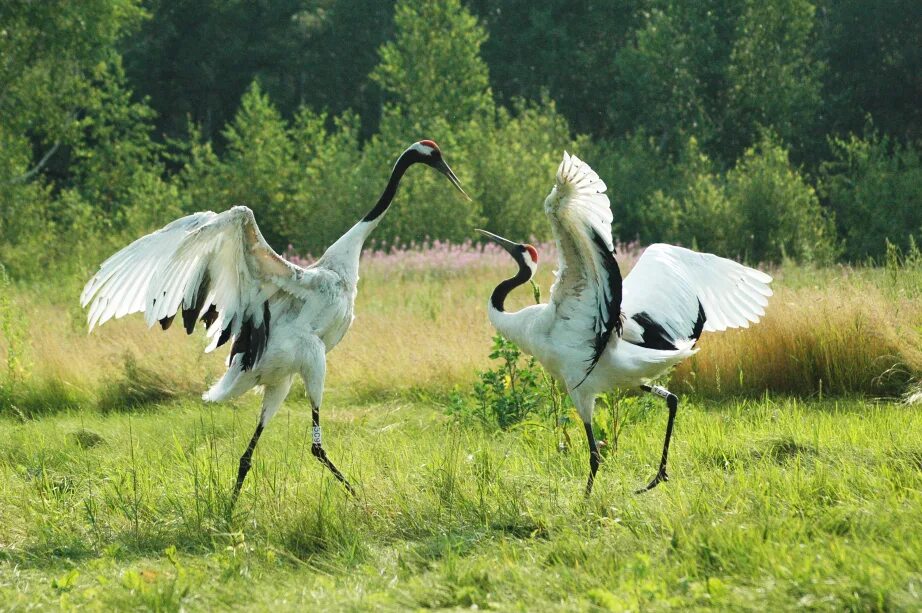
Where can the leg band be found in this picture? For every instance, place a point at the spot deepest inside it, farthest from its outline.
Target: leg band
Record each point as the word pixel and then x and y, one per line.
pixel 660 391
pixel 317 435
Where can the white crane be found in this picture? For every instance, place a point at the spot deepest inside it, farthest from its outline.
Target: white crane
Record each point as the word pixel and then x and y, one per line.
pixel 597 333
pixel 282 318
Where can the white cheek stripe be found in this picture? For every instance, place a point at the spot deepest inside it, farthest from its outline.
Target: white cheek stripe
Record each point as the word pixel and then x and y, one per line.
pixel 317 435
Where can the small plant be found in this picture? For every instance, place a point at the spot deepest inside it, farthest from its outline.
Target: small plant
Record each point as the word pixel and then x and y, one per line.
pixel 502 396
pixel 615 410
pixel 155 590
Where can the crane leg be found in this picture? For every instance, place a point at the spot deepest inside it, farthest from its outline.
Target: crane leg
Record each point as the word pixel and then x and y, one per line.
pixel 595 458
pixel 318 452
pixel 313 373
pixel 244 467
pixel 272 400
pixel 672 401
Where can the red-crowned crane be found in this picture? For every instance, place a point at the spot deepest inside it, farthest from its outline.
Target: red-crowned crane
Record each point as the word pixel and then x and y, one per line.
pixel 597 332
pixel 281 319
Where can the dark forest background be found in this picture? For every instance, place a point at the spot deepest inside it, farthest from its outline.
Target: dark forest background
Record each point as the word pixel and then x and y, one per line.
pixel 762 130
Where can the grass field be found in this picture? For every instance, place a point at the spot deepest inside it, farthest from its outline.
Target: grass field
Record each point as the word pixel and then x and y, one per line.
pixel 796 470
pixel 772 504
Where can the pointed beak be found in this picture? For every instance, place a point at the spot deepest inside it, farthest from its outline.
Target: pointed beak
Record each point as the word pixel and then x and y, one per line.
pixel 443 168
pixel 505 243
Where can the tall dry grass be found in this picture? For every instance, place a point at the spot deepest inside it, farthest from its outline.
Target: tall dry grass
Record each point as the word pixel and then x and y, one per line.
pixel 813 341
pixel 831 331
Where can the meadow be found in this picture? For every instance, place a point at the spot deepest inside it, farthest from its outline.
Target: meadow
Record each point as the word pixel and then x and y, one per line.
pixel 796 465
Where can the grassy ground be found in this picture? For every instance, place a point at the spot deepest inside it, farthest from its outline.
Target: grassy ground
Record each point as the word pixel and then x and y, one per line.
pixel 773 504
pixel 114 480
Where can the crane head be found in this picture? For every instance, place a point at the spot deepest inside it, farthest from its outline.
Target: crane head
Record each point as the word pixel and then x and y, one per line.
pixel 428 153
pixel 524 254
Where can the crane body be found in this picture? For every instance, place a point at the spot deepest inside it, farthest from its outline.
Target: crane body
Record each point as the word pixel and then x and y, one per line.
pixel 599 331
pixel 281 319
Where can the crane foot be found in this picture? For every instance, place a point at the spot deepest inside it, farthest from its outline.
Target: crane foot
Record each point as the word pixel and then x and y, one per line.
pixel 659 478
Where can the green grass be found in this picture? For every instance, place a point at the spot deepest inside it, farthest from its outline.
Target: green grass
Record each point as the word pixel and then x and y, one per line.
pixel 114 485
pixel 773 504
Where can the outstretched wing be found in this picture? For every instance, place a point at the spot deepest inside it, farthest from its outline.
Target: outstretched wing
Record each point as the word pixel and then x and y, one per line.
pixel 673 294
pixel 213 267
pixel 587 291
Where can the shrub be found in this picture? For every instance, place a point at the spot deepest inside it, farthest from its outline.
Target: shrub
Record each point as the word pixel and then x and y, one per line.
pixel 503 396
pixel 874 186
pixel 635 170
pixel 698 214
pixel 257 170
pixel 780 212
pixel 514 168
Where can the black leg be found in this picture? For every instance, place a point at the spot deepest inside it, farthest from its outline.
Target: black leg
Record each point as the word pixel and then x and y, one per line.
pixel 319 453
pixel 244 467
pixel 672 401
pixel 594 457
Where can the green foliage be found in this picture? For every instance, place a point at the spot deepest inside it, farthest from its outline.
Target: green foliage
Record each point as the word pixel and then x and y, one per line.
pixel 635 169
pixel 761 210
pixel 780 211
pixel 683 108
pixel 773 78
pixel 59 63
pixel 874 186
pixel 433 69
pixel 512 166
pixel 432 40
pixel 51 51
pixel 671 73
pixel 698 212
pixel 873 59
pixel 503 396
pixel 196 58
pixel 257 170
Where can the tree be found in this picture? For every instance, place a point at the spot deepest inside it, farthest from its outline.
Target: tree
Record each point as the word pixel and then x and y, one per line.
pixel 780 212
pixel 672 76
pixel 196 58
pixel 561 49
pixel 52 54
pixel 874 186
pixel 257 169
pixel 432 40
pixel 774 81
pixel 433 69
pixel 874 58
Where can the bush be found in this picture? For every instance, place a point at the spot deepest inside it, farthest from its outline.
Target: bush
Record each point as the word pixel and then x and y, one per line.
pixel 761 210
pixel 780 212
pixel 257 170
pixel 503 396
pixel 874 186
pixel 635 170
pixel 698 214
pixel 514 167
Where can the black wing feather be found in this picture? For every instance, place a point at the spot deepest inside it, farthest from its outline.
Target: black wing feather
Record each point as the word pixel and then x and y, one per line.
pixel 610 312
pixel 655 336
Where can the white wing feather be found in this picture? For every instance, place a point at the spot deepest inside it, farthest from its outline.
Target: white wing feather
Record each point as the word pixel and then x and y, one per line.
pixel 587 290
pixel 668 282
pixel 163 272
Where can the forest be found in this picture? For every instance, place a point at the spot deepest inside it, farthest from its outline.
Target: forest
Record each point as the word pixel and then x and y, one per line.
pixel 758 130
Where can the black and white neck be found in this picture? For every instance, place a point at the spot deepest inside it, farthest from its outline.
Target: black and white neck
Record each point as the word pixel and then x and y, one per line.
pixel 498 298
pixel 528 264
pixel 349 246
pixel 414 154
